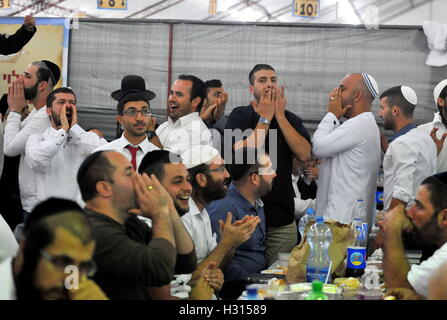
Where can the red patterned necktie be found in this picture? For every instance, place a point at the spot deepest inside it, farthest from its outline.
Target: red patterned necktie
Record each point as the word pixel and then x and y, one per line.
pixel 133 152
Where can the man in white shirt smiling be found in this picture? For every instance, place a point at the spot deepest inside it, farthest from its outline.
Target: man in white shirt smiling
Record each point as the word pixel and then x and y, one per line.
pixel 134 115
pixel 55 155
pixel 34 86
pixel 184 128
pixel 350 152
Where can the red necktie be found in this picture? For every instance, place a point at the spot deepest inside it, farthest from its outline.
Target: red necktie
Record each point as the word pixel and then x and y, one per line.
pixel 133 152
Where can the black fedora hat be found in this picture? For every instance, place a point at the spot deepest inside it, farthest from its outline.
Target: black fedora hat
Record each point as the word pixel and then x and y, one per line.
pixel 132 84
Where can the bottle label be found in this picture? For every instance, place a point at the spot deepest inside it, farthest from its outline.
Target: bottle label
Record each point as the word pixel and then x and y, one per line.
pixel 379 196
pixel 316 274
pixel 356 258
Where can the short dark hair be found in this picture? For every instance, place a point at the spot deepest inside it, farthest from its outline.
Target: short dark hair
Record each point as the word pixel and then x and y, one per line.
pixel 193 172
pixel 136 96
pixel 49 207
pixel 43 73
pixel 394 97
pixel 256 68
pixel 52 96
pixel 197 90
pixel 244 161
pixel 154 162
pixel 438 192
pixel 214 83
pixel 96 167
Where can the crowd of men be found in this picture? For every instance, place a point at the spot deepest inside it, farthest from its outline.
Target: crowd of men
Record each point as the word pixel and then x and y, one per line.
pixel 192 207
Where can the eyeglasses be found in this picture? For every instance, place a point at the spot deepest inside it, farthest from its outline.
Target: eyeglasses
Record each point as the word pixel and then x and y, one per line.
pixel 62 262
pixel 133 112
pixel 219 169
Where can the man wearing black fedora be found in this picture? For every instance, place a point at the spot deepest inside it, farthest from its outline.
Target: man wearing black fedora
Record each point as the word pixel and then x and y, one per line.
pixel 34 85
pixel 134 116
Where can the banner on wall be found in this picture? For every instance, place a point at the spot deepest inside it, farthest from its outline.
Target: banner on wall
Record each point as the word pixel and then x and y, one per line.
pixel 50 42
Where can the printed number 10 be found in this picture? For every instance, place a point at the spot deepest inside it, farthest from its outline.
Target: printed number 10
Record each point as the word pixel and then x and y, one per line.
pixel 309 9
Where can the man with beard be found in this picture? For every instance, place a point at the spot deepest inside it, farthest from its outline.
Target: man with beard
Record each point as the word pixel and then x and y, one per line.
pixel 350 152
pixel 173 175
pixel 184 127
pixel 438 127
pixel 34 85
pixel 56 238
pixel 134 116
pixel 411 155
pixel 55 155
pixel 427 218
pixel 252 174
pixel 282 135
pixel 131 256
pixel 208 178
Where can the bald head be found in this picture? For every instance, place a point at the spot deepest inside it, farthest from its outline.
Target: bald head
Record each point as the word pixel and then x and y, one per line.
pixel 360 85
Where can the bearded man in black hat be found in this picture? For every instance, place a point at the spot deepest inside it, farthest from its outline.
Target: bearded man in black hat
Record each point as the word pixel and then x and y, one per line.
pixel 427 219
pixel 135 118
pixel 34 85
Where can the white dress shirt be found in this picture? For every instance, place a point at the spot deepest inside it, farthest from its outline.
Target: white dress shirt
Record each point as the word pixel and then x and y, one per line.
pixel 15 138
pixel 300 205
pixel 8 287
pixel 120 144
pixel 408 160
pixel 198 225
pixel 427 127
pixel 419 275
pixel 184 133
pixel 54 158
pixel 350 155
pixel 8 243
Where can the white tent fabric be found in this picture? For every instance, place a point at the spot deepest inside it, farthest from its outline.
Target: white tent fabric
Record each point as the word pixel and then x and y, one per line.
pixel 437 42
pixel 310 61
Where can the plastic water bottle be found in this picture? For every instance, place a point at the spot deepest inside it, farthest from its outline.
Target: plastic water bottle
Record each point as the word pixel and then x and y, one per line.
pixel 319 264
pixel 360 213
pixel 309 216
pixel 317 291
pixel 379 192
pixel 356 252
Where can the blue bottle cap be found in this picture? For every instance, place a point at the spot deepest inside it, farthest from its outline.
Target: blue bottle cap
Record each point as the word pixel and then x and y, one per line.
pixel 319 219
pixel 310 211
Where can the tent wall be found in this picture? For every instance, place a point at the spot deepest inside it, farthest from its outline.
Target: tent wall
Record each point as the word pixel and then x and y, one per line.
pixel 310 60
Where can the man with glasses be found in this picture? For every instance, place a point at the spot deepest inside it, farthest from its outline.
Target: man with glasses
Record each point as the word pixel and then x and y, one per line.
pixel 208 178
pixel 253 175
pixel 55 257
pixel 134 116
pixel 55 155
pixel 34 86
pixel 173 175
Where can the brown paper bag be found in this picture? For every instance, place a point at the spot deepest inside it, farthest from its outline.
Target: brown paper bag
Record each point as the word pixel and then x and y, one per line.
pixel 342 237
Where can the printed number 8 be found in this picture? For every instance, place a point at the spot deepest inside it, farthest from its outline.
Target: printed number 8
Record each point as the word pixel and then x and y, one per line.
pixel 2 4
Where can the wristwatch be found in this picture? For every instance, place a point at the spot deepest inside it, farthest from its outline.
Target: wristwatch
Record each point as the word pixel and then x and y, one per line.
pixel 264 121
pixel 150 134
